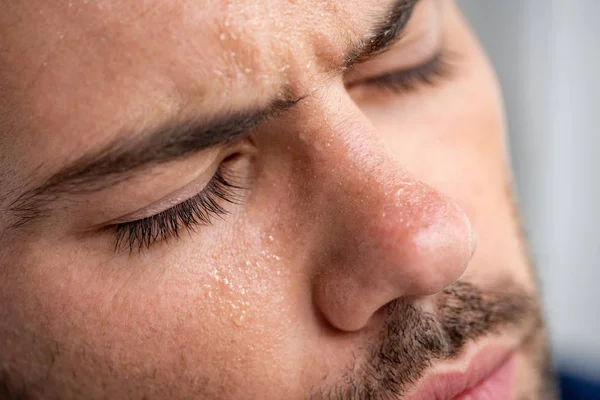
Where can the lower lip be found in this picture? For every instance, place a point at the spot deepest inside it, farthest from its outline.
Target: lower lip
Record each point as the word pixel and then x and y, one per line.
pixel 497 386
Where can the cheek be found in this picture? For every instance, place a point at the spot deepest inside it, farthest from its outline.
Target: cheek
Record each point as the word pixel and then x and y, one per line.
pixel 186 316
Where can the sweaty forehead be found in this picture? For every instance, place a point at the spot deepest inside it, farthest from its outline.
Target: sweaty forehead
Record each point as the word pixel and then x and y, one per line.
pixel 191 47
pixel 80 70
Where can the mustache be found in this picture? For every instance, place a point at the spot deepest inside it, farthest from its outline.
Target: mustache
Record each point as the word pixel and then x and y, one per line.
pixel 412 339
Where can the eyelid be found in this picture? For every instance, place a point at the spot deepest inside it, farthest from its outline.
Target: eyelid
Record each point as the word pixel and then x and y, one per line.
pixel 177 197
pixel 236 156
pixel 187 215
pixel 440 65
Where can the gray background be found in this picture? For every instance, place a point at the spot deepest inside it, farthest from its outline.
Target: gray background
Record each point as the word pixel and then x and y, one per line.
pixel 547 54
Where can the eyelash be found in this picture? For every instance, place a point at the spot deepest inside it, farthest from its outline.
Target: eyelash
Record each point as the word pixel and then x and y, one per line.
pixel 196 211
pixel 403 81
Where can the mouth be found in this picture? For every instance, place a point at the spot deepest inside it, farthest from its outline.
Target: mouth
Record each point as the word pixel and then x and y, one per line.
pixel 487 375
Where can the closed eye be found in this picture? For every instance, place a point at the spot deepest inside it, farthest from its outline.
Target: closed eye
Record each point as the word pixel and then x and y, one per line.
pixel 406 80
pixel 188 215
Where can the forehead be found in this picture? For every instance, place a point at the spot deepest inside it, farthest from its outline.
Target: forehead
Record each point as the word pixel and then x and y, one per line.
pixel 79 69
pixel 186 46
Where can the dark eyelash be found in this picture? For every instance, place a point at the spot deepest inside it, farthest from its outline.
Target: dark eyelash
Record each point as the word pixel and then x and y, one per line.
pixel 196 211
pixel 427 73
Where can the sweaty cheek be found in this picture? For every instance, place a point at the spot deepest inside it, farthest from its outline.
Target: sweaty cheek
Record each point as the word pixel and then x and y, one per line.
pixel 138 316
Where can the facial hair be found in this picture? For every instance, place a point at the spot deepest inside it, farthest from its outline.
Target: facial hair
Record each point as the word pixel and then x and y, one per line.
pixel 412 339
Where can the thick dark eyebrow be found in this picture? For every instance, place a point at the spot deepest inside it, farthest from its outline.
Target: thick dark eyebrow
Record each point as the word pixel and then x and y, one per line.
pixel 386 33
pixel 121 159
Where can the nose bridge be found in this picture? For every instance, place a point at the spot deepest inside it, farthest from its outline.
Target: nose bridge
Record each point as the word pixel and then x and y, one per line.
pixel 387 234
pixel 372 195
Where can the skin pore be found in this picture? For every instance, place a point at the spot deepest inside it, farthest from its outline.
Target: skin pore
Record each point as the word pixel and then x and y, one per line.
pixel 253 199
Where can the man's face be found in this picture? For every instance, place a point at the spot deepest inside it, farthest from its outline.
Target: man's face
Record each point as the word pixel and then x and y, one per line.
pixel 257 199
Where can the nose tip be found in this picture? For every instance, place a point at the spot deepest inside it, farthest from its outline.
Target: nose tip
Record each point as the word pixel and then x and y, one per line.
pixel 416 249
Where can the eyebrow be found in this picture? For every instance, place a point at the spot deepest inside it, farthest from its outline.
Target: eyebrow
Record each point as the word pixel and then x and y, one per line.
pixel 121 159
pixel 384 35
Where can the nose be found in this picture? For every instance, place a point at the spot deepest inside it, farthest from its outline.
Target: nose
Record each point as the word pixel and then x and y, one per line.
pixel 385 235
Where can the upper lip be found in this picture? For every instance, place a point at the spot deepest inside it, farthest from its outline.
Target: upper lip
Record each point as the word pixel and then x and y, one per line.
pixel 447 384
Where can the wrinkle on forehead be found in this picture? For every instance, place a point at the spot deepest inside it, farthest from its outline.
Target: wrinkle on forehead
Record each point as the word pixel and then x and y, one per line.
pixel 194 49
pixel 208 37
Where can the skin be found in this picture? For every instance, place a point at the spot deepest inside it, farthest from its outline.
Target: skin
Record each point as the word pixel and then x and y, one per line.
pixel 358 203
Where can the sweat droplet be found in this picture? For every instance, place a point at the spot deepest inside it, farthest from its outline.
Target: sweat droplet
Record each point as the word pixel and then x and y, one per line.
pixel 239 318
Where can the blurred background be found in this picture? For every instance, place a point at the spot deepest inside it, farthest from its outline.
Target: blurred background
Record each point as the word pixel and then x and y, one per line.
pixel 547 55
